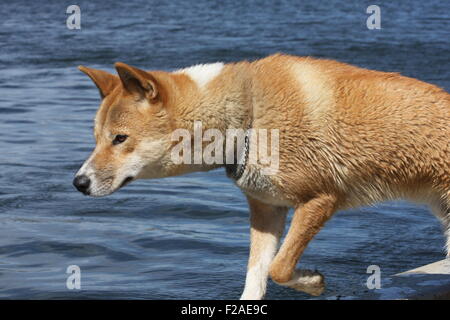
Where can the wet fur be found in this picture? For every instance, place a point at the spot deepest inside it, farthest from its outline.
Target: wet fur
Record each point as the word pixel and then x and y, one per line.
pixel 348 137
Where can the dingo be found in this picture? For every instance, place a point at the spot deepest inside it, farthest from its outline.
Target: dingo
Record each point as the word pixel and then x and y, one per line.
pixel 347 137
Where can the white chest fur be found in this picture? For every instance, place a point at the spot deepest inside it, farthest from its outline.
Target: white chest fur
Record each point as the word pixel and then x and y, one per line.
pixel 260 186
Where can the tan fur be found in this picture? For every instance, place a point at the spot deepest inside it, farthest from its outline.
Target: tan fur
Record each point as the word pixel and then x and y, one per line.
pixel 348 137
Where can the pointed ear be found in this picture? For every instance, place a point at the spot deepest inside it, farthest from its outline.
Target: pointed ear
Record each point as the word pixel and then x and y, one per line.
pixel 135 80
pixel 104 81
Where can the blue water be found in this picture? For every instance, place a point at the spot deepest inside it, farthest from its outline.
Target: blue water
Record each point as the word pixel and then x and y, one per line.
pixel 183 237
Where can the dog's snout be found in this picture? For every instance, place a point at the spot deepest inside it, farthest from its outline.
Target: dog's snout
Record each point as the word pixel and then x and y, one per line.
pixel 82 183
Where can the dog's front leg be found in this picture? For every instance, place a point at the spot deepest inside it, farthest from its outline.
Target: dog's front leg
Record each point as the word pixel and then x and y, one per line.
pixel 306 222
pixel 267 225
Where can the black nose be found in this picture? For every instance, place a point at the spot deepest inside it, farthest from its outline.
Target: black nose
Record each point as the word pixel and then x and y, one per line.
pixel 82 183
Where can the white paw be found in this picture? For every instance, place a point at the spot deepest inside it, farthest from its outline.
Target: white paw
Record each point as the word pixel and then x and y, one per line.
pixel 249 296
pixel 311 282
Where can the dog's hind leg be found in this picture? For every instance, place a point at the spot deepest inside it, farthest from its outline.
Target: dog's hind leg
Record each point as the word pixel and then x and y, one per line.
pixel 267 226
pixel 306 222
pixel 440 206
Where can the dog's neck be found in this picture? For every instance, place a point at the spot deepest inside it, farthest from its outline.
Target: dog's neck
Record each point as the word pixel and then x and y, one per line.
pixel 218 95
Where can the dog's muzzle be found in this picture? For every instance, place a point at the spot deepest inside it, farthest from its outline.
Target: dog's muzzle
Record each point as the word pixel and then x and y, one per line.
pixel 126 181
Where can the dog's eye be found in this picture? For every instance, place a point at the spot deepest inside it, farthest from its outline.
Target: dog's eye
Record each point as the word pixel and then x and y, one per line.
pixel 119 138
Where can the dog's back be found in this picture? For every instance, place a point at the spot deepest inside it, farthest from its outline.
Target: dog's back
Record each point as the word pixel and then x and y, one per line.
pixel 364 135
